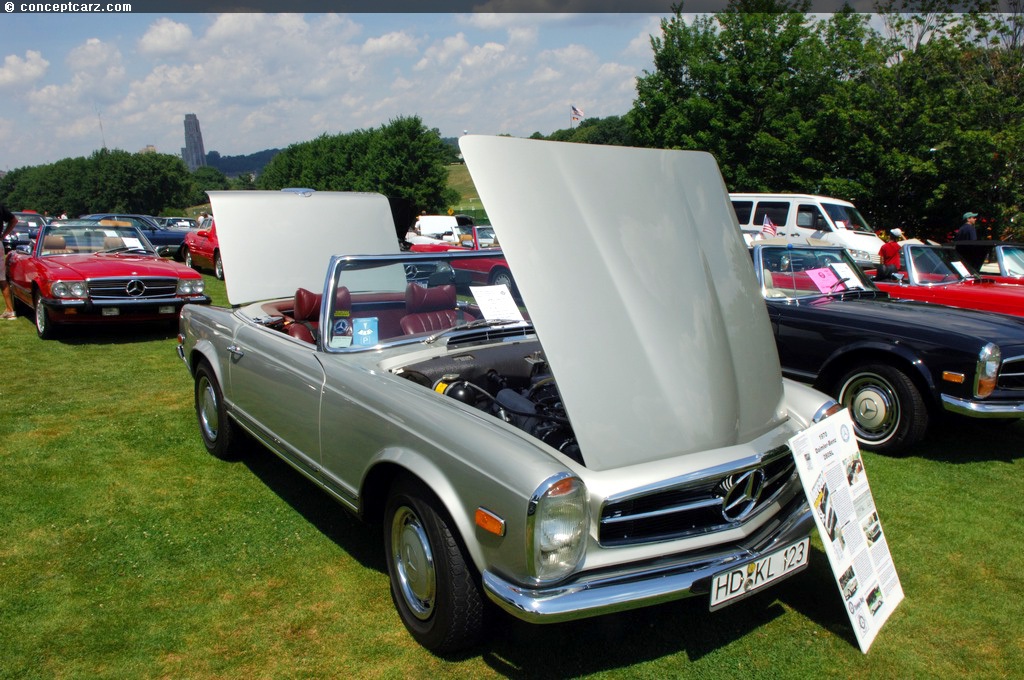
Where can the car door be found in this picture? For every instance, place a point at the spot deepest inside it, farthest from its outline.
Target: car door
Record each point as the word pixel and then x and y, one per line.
pixel 276 384
pixel 802 337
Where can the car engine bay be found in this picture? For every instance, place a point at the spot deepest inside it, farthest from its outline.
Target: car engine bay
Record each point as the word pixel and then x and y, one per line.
pixel 511 382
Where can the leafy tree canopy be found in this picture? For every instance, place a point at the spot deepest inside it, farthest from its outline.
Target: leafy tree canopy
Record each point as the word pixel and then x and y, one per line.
pixel 401 159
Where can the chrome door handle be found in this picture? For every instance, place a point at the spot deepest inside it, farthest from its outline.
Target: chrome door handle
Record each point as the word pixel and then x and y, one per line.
pixel 235 351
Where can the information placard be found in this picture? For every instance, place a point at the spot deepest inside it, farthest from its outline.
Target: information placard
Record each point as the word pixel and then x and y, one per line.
pixel 832 473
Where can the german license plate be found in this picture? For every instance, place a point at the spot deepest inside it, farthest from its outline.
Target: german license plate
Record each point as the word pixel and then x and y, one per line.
pixel 745 579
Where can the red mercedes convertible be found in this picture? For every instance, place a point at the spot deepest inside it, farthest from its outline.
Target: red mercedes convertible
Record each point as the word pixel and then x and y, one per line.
pixel 935 274
pixel 98 271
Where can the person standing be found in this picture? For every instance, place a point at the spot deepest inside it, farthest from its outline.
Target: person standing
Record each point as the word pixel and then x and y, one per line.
pixel 9 220
pixel 967 230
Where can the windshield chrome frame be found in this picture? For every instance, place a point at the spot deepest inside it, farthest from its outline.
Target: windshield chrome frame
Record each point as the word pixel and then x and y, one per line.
pixel 338 263
pixel 868 284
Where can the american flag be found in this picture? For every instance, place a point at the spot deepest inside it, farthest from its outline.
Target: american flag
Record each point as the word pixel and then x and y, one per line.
pixel 768 228
pixel 576 113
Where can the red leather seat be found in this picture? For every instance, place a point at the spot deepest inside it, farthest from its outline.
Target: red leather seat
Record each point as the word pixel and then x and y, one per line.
pixel 431 309
pixel 306 316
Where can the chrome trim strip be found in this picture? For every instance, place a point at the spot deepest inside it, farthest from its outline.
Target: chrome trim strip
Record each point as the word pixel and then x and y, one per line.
pixel 977 409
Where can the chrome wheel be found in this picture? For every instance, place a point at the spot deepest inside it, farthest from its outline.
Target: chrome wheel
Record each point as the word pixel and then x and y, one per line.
pixel 207 409
pixel 414 563
pixel 217 430
pixel 218 267
pixel 44 326
pixel 887 408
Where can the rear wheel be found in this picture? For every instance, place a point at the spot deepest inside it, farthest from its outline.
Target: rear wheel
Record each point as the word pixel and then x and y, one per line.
pixel 220 436
pixel 45 328
pixel 434 589
pixel 888 411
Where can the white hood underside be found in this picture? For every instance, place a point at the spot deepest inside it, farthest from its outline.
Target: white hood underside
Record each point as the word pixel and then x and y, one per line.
pixel 641 290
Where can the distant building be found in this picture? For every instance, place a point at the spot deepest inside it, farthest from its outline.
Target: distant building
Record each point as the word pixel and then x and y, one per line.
pixel 193 153
pixel 149 148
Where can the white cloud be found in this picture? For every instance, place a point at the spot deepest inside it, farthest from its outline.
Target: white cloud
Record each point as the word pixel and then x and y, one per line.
pixel 390 44
pixel 165 38
pixel 19 72
pixel 258 81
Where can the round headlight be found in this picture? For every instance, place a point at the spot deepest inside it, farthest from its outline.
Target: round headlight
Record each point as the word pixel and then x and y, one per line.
pixel 558 520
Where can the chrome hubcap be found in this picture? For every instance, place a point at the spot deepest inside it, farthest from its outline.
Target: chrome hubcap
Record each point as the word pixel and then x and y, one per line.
pixel 208 418
pixel 874 407
pixel 414 563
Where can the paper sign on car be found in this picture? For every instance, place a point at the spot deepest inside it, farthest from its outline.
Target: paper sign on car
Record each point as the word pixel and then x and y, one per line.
pixel 832 473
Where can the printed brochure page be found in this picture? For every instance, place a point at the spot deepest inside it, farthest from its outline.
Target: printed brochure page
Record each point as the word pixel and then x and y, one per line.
pixel 832 473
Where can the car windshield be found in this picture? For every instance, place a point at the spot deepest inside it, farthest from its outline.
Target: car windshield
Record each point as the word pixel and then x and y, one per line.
pixel 89 236
pixel 808 272
pixel 932 266
pixel 415 297
pixel 847 217
pixel 1013 260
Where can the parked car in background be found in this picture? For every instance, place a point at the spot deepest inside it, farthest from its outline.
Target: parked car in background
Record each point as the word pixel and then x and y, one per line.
pixel 168 240
pixel 98 272
pixel 558 476
pixel 202 249
pixel 489 271
pixel 25 231
pixel 441 227
pixel 933 273
pixel 898 365
pixel 178 222
pixel 802 216
pixel 1001 261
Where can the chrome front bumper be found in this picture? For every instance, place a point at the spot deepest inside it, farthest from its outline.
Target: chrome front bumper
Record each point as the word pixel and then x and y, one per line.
pixel 630 588
pixel 981 409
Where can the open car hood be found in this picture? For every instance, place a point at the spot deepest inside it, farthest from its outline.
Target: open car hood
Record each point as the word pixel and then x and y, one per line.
pixel 273 242
pixel 640 289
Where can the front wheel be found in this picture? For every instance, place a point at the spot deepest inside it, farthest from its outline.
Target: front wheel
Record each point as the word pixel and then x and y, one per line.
pixel 502 276
pixel 45 328
pixel 188 259
pixel 218 266
pixel 889 414
pixel 434 590
pixel 220 436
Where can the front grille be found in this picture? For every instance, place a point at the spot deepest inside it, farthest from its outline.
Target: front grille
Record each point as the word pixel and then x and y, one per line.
pixel 136 288
pixel 1011 375
pixel 693 507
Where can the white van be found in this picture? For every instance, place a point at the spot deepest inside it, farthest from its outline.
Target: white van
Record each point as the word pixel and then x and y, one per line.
pixel 800 216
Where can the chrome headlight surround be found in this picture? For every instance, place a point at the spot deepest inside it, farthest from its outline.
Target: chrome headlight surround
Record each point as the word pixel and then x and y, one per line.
pixel 557 523
pixel 990 360
pixel 69 289
pixel 191 286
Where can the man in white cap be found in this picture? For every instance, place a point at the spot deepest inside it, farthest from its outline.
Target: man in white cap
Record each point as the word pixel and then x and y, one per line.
pixel 967 231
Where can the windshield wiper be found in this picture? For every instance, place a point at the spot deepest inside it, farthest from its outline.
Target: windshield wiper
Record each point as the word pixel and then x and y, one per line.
pixel 467 325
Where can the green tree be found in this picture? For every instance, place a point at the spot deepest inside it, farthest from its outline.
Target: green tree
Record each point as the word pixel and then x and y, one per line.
pixel 401 159
pixel 205 179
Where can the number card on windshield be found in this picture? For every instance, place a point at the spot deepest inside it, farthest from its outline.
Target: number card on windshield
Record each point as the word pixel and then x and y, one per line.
pixel 832 473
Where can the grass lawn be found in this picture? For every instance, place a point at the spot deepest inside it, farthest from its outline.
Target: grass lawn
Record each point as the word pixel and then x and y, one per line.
pixel 127 552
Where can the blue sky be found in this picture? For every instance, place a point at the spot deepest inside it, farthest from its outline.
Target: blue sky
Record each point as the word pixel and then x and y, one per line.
pixel 74 83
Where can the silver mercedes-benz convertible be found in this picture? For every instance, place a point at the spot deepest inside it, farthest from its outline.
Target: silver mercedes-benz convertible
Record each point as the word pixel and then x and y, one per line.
pixel 615 435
